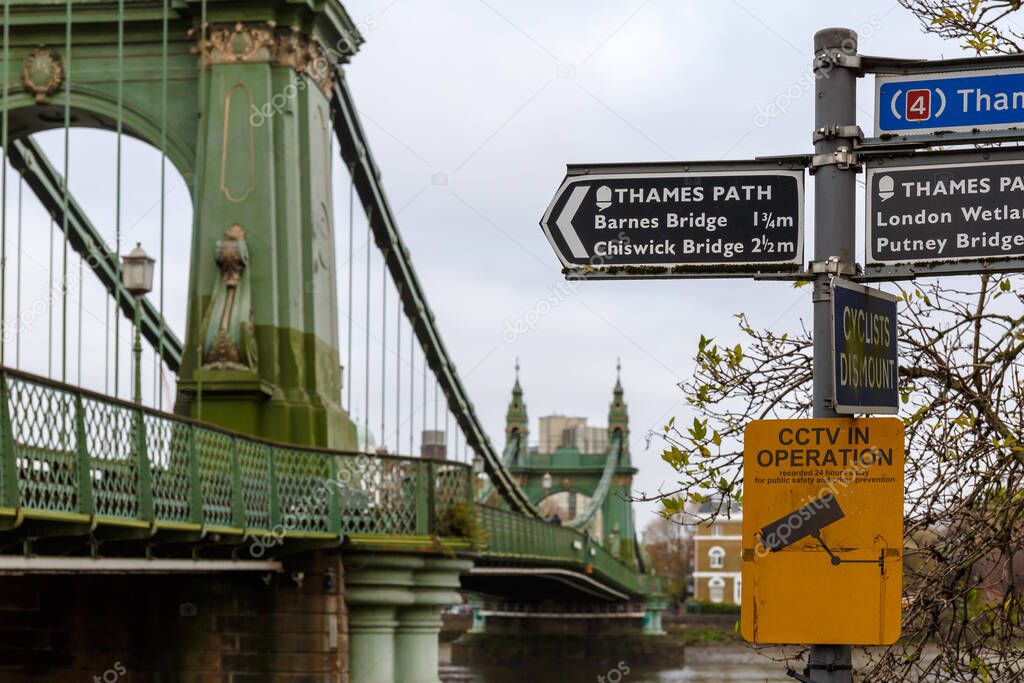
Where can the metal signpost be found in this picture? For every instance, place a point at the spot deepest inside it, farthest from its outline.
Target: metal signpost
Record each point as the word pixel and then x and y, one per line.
pixel 865 359
pixel 928 213
pixel 699 218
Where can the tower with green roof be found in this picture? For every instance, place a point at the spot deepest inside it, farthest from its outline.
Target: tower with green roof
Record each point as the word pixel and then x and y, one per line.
pixel 570 482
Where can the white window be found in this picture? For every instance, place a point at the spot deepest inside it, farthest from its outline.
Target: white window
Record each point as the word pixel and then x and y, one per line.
pixel 737 590
pixel 716 557
pixel 716 530
pixel 716 589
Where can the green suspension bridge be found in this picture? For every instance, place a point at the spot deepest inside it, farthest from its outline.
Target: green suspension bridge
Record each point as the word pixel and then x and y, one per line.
pixel 246 444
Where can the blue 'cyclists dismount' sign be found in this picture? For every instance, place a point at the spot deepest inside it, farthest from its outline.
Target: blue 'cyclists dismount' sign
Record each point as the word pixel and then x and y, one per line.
pixel 866 367
pixel 958 101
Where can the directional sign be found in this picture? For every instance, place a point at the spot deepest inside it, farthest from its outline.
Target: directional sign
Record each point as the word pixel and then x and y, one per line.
pixel 864 349
pixel 822 531
pixel 679 220
pixel 990 99
pixel 938 208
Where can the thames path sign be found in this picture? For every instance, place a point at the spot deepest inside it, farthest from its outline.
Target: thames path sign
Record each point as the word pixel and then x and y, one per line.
pixel 940 208
pixel 678 220
pixel 954 101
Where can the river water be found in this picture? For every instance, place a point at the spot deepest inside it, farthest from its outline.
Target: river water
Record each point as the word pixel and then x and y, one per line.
pixel 704 665
pixel 560 674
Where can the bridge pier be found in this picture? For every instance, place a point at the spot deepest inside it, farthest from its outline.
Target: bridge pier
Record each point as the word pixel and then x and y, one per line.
pixel 652 619
pixel 394 614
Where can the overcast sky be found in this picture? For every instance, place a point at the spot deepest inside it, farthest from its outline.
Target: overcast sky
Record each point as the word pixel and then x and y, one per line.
pixel 473 108
pixel 498 96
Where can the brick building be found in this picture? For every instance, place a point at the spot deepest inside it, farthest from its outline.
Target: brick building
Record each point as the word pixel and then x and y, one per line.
pixel 718 555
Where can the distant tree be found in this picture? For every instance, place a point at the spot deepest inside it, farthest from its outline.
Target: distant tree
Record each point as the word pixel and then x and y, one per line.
pixel 667 545
pixel 980 25
pixel 961 344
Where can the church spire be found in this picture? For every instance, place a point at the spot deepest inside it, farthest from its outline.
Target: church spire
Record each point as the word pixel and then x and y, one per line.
pixel 618 415
pixel 515 418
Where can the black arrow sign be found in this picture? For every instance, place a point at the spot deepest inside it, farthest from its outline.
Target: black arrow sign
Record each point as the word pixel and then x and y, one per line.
pixel 682 220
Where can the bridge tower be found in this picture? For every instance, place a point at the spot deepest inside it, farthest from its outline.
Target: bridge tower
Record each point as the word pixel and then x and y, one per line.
pixel 240 106
pixel 261 341
pixel 571 481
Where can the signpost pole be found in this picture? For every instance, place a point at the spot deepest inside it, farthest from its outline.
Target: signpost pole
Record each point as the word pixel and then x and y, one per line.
pixel 835 115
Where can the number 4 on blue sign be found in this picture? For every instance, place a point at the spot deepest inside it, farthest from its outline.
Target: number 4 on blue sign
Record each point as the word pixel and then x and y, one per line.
pixel 951 101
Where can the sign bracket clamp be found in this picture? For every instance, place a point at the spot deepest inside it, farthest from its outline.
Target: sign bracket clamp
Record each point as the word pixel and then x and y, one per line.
pixel 831 132
pixel 844 158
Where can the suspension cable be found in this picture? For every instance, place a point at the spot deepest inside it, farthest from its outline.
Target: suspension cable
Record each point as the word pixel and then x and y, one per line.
pixel 17 290
pixel 423 429
pixel 398 372
pixel 159 397
pixel 81 299
pixel 49 309
pixel 412 388
pixel 201 334
pixel 117 195
pixel 3 191
pixel 383 350
pixel 67 181
pixel 351 205
pixel 366 373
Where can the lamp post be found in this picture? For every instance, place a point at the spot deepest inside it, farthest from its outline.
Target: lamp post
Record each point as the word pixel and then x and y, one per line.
pixel 137 278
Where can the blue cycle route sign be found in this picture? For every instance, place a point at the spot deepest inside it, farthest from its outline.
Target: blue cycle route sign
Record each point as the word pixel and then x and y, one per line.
pixel 956 101
pixel 866 365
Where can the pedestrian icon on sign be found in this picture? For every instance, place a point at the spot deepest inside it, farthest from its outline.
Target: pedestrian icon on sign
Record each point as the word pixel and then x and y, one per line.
pixel 886 187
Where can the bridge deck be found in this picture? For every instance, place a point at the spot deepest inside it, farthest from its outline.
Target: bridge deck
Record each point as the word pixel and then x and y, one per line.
pixel 108 474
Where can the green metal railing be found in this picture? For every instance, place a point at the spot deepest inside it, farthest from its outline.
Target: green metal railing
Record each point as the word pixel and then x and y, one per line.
pixel 70 454
pixel 515 537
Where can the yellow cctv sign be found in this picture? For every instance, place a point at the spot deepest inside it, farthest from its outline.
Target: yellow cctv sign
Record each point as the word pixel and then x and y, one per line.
pixel 823 531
